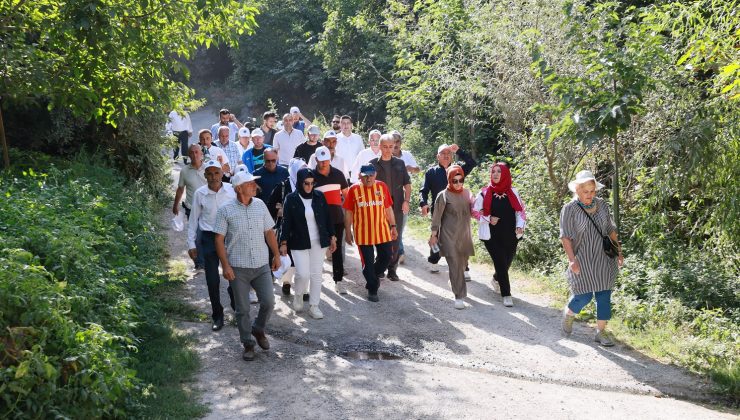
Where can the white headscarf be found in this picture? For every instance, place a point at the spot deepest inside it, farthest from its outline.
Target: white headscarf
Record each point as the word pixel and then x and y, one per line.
pixel 293 167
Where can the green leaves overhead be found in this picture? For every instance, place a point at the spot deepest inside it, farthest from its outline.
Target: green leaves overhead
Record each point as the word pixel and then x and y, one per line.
pixel 105 59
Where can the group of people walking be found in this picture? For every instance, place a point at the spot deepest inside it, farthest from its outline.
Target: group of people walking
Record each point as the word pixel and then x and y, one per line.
pixel 255 205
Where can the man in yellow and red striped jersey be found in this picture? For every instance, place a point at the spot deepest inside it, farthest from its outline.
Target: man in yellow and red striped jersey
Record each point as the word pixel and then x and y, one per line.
pixel 369 221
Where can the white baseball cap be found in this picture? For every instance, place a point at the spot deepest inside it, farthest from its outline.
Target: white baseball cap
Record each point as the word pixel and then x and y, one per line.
pixel 323 154
pixel 330 134
pixel 442 148
pixel 244 132
pixel 294 110
pixel 212 163
pixel 258 133
pixel 313 129
pixel 242 177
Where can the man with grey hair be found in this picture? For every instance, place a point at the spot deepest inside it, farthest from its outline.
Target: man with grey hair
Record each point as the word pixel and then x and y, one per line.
pixel 191 178
pixel 243 229
pixel 392 171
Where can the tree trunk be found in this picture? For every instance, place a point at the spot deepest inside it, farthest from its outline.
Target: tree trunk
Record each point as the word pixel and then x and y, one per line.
pixel 3 141
pixel 615 184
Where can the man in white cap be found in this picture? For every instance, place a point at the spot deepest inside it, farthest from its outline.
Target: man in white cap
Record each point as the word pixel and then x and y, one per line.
pixel 243 232
pixel 244 143
pixel 206 201
pixel 333 183
pixel 330 142
pixel 299 121
pixel 254 157
pixel 286 141
pixel 435 180
pixel 365 156
pixel 349 144
pixel 307 148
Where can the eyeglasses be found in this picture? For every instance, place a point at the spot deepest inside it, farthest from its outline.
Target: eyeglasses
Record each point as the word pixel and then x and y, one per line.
pixel 457 181
pixel 270 160
pixel 308 183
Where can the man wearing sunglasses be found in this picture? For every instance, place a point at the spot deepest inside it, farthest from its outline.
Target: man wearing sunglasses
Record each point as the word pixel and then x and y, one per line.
pixel 270 175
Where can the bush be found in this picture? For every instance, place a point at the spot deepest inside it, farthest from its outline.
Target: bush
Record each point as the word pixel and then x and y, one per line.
pixel 78 255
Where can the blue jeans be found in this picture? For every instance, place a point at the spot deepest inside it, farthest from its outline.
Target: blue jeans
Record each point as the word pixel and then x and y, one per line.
pixel 603 303
pixel 259 279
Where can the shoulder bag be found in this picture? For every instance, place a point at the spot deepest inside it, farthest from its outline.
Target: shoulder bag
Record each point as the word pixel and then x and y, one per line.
pixel 611 249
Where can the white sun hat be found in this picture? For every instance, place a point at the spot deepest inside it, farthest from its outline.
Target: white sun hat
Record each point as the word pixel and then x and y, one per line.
pixel 584 176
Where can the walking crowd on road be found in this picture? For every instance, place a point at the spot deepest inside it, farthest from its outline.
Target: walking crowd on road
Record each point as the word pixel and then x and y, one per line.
pixel 269 204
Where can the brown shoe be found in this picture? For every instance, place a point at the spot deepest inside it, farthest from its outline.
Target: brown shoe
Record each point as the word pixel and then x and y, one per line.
pixel 261 340
pixel 248 354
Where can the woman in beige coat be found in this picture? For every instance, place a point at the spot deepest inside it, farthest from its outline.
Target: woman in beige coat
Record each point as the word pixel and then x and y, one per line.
pixel 451 230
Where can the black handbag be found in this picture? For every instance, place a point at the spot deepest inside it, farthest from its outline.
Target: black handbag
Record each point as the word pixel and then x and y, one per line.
pixel 611 249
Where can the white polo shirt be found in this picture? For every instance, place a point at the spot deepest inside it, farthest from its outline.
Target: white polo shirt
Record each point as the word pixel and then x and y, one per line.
pixel 285 144
pixel 348 147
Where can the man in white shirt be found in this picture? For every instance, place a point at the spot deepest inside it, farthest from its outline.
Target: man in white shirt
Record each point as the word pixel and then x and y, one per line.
pixel 366 155
pixel 349 144
pixel 411 166
pixel 180 125
pixel 211 152
pixel 330 142
pixel 286 141
pixel 206 201
pixel 244 143
pixel 226 119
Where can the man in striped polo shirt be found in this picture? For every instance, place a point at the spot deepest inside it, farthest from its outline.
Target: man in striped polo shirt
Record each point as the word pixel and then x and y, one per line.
pixel 369 221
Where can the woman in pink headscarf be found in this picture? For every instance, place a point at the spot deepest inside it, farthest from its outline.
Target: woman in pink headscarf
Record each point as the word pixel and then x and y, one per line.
pixel 501 216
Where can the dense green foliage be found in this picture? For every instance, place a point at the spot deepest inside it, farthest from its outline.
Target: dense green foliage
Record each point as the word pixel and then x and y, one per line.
pixel 80 259
pixel 556 87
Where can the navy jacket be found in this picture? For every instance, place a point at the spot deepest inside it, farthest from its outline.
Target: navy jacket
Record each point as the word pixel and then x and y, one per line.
pixel 435 179
pixel 269 180
pixel 294 228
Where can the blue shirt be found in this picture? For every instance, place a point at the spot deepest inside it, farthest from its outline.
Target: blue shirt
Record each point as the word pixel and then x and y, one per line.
pixel 300 125
pixel 269 180
pixel 435 178
pixel 255 162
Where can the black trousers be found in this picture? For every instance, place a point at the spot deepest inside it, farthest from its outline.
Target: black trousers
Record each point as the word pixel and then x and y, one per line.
pixel 182 138
pixel 213 278
pixel 372 265
pixel 502 253
pixel 337 257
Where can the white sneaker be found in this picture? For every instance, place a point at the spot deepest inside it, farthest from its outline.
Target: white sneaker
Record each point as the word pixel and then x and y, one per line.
pixel 508 302
pixel 339 288
pixel 467 275
pixel 315 312
pixel 495 285
pixel 459 304
pixel 297 302
pixel 434 269
pixel 253 297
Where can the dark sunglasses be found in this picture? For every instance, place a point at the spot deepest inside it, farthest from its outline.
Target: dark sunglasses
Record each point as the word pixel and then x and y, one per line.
pixel 335 122
pixel 270 160
pixel 458 181
pixel 309 183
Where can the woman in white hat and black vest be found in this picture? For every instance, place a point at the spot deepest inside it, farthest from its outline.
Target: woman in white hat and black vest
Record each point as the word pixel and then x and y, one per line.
pixel 589 238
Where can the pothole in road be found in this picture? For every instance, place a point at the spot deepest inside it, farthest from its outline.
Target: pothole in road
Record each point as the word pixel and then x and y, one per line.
pixel 370 355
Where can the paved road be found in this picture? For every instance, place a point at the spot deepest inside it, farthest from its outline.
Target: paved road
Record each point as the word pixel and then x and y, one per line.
pixel 486 361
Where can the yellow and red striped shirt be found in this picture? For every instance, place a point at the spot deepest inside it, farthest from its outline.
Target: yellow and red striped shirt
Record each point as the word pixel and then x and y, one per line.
pixel 368 205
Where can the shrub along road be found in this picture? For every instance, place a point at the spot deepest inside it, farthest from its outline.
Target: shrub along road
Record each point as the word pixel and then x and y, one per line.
pixel 481 362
